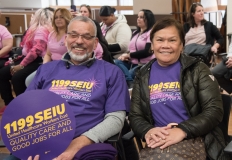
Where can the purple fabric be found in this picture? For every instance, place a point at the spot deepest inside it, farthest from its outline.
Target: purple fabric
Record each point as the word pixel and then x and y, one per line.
pixel 165 96
pixel 96 151
pixel 92 91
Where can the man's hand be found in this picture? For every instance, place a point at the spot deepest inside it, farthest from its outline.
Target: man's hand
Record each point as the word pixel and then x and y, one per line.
pixel 74 147
pixel 35 158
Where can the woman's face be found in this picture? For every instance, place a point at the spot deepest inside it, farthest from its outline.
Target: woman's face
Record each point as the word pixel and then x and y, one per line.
pixel 108 20
pixel 140 20
pixel 84 12
pixel 167 46
pixel 199 14
pixel 59 20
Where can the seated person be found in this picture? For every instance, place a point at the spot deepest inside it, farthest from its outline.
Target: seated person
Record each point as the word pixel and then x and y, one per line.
pixel 139 46
pixel 116 31
pixel 101 51
pixel 34 48
pixel 177 89
pixel 105 108
pixel 6 44
pixel 223 71
pixel 55 45
pixel 198 30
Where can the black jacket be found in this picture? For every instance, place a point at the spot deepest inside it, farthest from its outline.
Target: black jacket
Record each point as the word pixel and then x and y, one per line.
pixel 211 32
pixel 201 98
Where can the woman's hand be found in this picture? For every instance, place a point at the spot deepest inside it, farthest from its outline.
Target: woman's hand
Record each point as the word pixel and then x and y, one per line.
pixel 156 136
pixel 214 49
pixel 16 68
pixel 229 62
pixel 124 57
pixel 35 158
pixel 175 136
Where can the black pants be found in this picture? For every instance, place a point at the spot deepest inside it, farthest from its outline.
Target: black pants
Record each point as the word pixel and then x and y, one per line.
pixel 17 80
pixel 225 84
pixel 2 62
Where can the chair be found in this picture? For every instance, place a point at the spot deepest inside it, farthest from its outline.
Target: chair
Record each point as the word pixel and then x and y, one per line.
pixel 225 121
pixel 223 125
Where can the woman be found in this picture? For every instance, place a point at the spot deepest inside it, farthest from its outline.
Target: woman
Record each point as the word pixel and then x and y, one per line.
pixel 6 44
pixel 56 39
pixel 200 31
pixel 116 31
pixel 174 98
pixel 34 48
pixel 101 52
pixel 139 46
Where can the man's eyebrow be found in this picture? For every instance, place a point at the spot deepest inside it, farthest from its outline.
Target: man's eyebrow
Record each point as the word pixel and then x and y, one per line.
pixel 78 33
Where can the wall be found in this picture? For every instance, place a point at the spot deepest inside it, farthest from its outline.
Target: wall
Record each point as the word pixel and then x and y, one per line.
pixel 24 3
pixel 156 6
pixel 229 20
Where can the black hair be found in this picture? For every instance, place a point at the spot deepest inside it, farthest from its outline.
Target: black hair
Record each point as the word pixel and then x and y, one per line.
pixel 106 11
pixel 149 19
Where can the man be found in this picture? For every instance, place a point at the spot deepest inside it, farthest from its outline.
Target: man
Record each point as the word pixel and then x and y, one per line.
pixel 99 98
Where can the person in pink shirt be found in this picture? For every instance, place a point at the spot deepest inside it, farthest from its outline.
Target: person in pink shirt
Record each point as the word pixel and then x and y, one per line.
pixel 34 48
pixel 6 43
pixel 56 46
pixel 139 46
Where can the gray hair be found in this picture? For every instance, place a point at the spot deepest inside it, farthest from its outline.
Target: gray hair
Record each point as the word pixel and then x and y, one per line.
pixel 84 19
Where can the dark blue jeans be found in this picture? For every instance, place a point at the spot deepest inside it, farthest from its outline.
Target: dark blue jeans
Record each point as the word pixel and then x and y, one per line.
pixel 127 68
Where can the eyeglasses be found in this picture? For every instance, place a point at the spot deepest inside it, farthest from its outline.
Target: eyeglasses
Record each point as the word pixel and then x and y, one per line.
pixel 84 36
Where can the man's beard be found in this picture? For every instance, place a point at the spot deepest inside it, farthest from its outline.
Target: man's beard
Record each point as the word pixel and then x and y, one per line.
pixel 79 58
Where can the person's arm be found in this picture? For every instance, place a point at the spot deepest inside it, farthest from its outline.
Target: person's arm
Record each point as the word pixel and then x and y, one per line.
pixel 218 37
pixel 47 57
pixel 209 99
pixel 7 45
pixel 138 122
pixel 111 125
pixel 122 40
pixel 144 53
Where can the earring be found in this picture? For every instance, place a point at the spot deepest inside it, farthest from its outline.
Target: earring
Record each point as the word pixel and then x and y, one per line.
pixel 151 51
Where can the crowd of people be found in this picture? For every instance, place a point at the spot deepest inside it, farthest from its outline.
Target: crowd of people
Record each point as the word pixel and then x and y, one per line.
pixel 174 98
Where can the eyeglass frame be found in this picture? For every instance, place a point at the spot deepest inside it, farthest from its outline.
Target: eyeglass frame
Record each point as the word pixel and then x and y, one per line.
pixel 76 35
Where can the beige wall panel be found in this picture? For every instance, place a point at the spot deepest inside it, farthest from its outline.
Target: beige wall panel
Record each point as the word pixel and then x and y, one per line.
pixel 156 6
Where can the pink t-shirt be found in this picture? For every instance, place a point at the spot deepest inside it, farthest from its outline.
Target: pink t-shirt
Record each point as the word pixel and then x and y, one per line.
pixel 4 34
pixel 139 41
pixel 56 48
pixel 98 51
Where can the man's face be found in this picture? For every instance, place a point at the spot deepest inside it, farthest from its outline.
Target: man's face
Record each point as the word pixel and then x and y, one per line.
pixel 80 41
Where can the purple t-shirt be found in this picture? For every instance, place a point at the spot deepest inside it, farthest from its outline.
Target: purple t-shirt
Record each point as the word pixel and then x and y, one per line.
pixel 4 34
pixel 92 92
pixel 165 96
pixel 56 48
